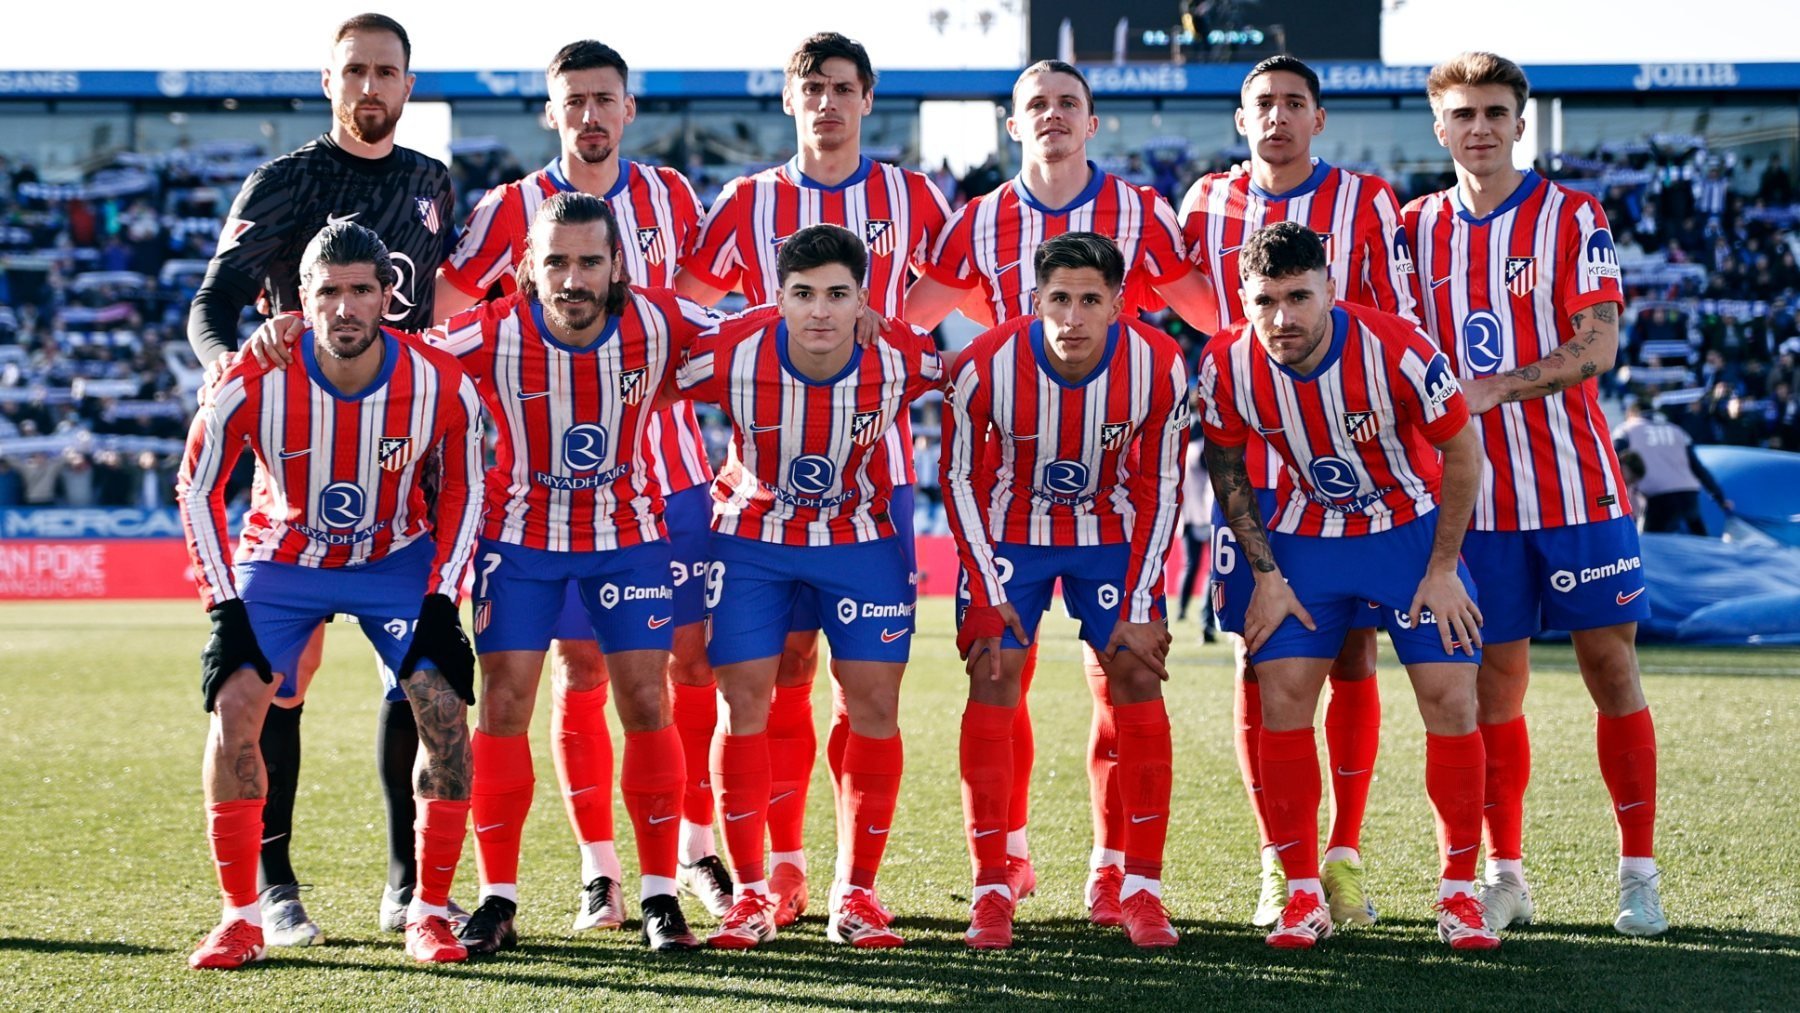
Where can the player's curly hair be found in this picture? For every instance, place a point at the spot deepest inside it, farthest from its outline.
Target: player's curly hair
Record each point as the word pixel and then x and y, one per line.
pixel 818 245
pixel 342 244
pixel 375 23
pixel 587 54
pixel 1290 64
pixel 1474 69
pixel 572 207
pixel 1075 250
pixel 1281 250
pixel 1055 67
pixel 822 46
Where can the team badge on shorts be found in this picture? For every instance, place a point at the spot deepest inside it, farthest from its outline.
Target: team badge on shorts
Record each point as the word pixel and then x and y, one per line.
pixel 650 244
pixel 394 452
pixel 866 428
pixel 1218 596
pixel 484 614
pixel 878 233
pixel 1521 275
pixel 632 384
pixel 428 214
pixel 1361 426
pixel 1112 434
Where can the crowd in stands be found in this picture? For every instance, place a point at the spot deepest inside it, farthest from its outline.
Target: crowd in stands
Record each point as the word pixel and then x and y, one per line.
pixel 96 378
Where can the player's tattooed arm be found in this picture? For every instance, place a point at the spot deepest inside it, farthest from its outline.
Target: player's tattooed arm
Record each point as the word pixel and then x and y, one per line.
pixel 1591 350
pixel 1237 500
pixel 446 759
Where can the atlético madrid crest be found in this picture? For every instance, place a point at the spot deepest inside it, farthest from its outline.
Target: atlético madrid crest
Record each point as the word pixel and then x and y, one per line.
pixel 1521 275
pixel 866 428
pixel 428 213
pixel 1112 434
pixel 1361 426
pixel 632 383
pixel 650 244
pixel 878 233
pixel 393 452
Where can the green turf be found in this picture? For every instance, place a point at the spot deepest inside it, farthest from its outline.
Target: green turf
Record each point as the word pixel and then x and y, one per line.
pixel 105 883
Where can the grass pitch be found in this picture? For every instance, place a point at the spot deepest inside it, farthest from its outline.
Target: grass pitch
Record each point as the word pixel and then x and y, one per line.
pixel 105 883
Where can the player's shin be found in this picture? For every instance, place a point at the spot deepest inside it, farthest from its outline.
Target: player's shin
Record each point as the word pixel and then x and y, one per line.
pixel 872 768
pixel 280 745
pixel 1024 756
pixel 1508 770
pixel 793 749
pixel 442 784
pixel 501 800
pixel 582 748
pixel 696 710
pixel 1103 761
pixel 1246 723
pixel 1627 747
pixel 740 776
pixel 1291 790
pixel 1454 774
pixel 987 755
pixel 651 781
pixel 1144 780
pixel 396 751
pixel 233 830
pixel 1352 739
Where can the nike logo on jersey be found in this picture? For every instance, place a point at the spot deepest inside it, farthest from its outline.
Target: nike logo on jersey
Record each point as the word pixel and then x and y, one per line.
pixel 878 833
pixel 1000 272
pixel 763 429
pixel 1225 251
pixel 1146 819
pixel 734 817
pixel 1266 431
pixel 781 796
pixel 1465 849
pixel 288 455
pixel 1021 437
pixel 657 624
pixel 531 395
pixel 1625 599
pixel 340 219
pixel 1439 282
pixel 1341 772
pixel 1627 807
pixel 979 834
pixel 491 826
pixel 658 820
pixel 889 637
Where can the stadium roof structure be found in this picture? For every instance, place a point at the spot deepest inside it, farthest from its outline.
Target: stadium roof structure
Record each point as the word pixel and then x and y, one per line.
pixel 1205 80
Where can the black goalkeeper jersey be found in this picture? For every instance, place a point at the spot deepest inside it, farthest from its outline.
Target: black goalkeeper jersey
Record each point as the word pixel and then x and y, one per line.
pixel 405 197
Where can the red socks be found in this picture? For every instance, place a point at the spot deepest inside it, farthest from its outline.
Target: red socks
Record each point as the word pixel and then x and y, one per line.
pixel 1145 754
pixel 1627 748
pixel 1352 738
pixel 696 711
pixel 1024 749
pixel 235 831
pixel 1291 789
pixel 652 784
pixel 582 748
pixel 500 801
pixel 1103 761
pixel 871 786
pixel 793 748
pixel 1246 713
pixel 837 739
pixel 988 761
pixel 1454 771
pixel 438 833
pixel 1508 771
pixel 740 776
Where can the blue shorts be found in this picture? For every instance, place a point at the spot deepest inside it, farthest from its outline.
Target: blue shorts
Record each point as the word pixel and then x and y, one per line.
pixel 1577 577
pixel 520 593
pixel 900 509
pixel 286 602
pixel 1093 587
pixel 688 517
pixel 1232 581
pixel 1336 578
pixel 862 593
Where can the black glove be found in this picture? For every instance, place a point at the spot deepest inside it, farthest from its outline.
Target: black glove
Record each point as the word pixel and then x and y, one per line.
pixel 438 637
pixel 232 646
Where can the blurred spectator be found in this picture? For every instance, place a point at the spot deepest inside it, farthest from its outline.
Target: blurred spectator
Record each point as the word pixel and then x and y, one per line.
pixel 77 479
pixel 155 481
pixel 928 509
pixel 1670 475
pixel 12 489
pixel 38 472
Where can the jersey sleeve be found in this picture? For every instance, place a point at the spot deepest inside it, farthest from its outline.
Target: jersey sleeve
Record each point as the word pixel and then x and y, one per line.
pixel 962 475
pixel 925 370
pixel 1409 236
pixel 485 251
pixel 1383 276
pixel 1427 390
pixel 1192 220
pixel 716 260
pixel 697 378
pixel 953 261
pixel 1155 490
pixel 1219 418
pixel 469 336
pixel 688 320
pixel 685 213
pixel 215 440
pixel 459 499
pixel 259 226
pixel 1164 252
pixel 1587 268
pixel 930 213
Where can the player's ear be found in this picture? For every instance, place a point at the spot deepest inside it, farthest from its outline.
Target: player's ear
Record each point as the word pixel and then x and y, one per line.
pixel 1437 130
pixel 411 79
pixel 1012 128
pixel 1093 126
pixel 868 103
pixel 1519 129
pixel 630 107
pixel 787 95
pixel 325 81
pixel 1237 118
pixel 549 114
pixel 387 299
pixel 1318 120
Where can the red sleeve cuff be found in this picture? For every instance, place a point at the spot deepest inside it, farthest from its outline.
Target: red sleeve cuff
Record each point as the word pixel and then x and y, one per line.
pixel 464 285
pixel 945 276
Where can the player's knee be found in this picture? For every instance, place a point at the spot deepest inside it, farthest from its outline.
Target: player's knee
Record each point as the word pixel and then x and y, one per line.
pixel 1132 681
pixel 1357 659
pixel 799 659
pixel 1447 702
pixel 506 705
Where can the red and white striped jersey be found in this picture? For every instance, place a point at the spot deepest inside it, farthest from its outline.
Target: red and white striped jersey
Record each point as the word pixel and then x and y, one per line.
pixel 1497 294
pixel 1356 215
pixel 897 212
pixel 808 463
pixel 572 471
pixel 659 221
pixel 338 475
pixel 1033 459
pixel 1358 434
pixel 993 239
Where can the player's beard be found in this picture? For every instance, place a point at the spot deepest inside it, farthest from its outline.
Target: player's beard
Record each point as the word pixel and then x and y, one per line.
pixel 347 347
pixel 574 309
pixel 594 152
pixel 378 125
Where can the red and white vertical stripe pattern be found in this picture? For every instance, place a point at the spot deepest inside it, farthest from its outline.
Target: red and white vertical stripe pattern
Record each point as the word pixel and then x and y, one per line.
pixel 338 478
pixel 1498 294
pixel 1034 460
pixel 1357 435
pixel 572 471
pixel 808 462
